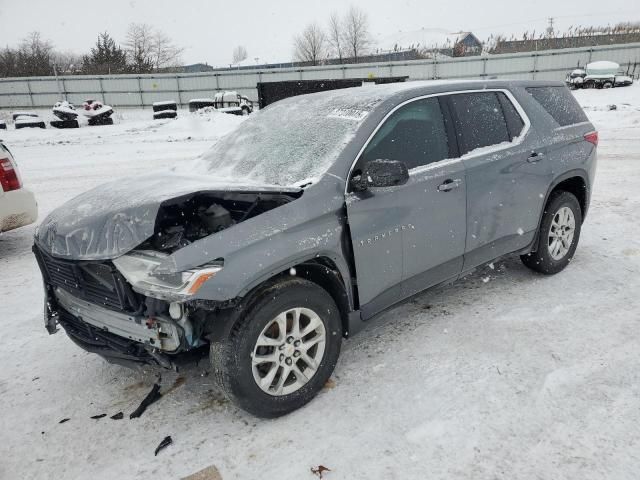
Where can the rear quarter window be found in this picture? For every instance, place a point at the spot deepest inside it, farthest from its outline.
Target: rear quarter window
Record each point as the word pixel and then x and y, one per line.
pixel 559 103
pixel 515 124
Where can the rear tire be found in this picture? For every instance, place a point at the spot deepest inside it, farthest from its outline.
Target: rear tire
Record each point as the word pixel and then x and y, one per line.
pixel 267 369
pixel 558 235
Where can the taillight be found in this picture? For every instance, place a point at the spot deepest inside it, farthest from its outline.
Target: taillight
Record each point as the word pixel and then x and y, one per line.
pixel 9 175
pixel 592 137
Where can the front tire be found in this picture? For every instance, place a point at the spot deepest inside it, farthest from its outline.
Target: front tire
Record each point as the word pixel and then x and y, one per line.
pixel 281 350
pixel 558 235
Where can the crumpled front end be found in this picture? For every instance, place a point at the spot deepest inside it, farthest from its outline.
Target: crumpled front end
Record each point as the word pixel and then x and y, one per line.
pixel 99 310
pixel 100 256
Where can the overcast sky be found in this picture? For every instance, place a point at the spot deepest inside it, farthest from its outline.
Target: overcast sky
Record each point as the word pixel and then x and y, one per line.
pixel 209 30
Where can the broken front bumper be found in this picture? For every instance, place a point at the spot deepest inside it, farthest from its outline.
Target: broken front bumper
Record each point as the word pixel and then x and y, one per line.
pixel 152 332
pixel 119 338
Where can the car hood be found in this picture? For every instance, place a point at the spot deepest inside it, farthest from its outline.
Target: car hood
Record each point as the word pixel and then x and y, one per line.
pixel 113 218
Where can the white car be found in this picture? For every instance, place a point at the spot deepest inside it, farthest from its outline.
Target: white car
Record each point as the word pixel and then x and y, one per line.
pixel 18 205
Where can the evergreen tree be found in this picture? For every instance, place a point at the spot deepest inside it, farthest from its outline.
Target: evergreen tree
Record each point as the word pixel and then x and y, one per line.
pixel 105 58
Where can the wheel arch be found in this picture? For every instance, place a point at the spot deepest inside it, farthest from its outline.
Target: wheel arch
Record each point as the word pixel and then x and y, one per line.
pixel 324 272
pixel 322 269
pixel 575 182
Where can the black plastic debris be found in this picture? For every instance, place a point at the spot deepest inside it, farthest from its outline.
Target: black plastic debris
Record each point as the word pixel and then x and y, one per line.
pixel 166 441
pixel 153 396
pixel 97 417
pixel 64 420
pixel 117 416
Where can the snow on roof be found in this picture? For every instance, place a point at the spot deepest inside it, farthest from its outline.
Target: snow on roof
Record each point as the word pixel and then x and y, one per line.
pixel 167 102
pixel 248 62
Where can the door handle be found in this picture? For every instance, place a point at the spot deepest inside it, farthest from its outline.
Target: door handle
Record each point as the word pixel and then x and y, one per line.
pixel 449 185
pixel 535 157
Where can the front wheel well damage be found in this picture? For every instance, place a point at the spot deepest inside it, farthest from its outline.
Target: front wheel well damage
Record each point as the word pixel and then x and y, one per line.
pixel 320 270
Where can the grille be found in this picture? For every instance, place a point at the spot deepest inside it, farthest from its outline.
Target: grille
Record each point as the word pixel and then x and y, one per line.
pixel 95 282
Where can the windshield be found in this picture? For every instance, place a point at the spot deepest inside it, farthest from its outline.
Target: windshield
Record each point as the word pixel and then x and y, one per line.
pixel 291 142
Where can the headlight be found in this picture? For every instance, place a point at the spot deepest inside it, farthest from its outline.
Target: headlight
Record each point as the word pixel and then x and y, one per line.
pixel 139 267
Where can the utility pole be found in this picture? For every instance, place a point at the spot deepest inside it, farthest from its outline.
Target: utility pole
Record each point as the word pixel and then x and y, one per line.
pixel 55 73
pixel 550 31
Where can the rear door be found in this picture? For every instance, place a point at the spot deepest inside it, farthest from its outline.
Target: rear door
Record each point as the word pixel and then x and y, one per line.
pixel 565 129
pixel 507 173
pixel 409 237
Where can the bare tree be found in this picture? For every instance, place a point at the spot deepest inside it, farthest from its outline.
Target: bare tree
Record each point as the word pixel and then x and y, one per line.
pixel 67 62
pixel 335 35
pixel 239 54
pixel 164 53
pixel 309 46
pixel 149 49
pixel 357 38
pixel 34 55
pixel 138 45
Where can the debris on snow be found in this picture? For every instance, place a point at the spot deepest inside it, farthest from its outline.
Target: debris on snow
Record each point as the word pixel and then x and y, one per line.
pixel 208 473
pixel 64 420
pixel 166 441
pixel 177 383
pixel 117 416
pixel 153 396
pixel 319 470
pixel 98 417
pixel 331 383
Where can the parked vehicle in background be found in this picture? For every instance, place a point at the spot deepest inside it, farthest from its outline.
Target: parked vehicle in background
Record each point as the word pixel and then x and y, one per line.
pixel 226 102
pixel 282 243
pixel 232 102
pixel 18 205
pixel 575 78
pixel 601 74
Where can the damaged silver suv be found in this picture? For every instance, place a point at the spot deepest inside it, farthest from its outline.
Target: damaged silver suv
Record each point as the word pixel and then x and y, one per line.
pixel 316 214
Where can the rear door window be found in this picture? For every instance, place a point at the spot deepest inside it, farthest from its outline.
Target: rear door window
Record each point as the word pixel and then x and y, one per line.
pixel 414 134
pixel 479 120
pixel 559 103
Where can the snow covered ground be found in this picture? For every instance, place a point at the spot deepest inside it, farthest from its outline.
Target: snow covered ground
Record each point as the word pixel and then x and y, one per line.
pixel 505 374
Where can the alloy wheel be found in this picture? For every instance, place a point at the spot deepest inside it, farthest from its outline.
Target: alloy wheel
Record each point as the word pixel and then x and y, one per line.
pixel 561 233
pixel 288 351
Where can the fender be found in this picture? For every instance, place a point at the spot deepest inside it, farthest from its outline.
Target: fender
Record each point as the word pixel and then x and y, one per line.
pixel 279 268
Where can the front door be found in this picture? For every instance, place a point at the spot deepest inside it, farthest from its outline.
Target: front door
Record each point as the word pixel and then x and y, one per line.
pixel 409 237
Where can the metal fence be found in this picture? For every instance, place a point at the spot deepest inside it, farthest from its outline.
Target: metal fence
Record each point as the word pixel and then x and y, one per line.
pixel 143 90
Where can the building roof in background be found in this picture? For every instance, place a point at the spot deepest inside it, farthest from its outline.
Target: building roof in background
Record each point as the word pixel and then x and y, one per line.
pixel 423 38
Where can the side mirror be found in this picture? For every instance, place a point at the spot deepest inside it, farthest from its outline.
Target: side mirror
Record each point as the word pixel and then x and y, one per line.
pixel 380 173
